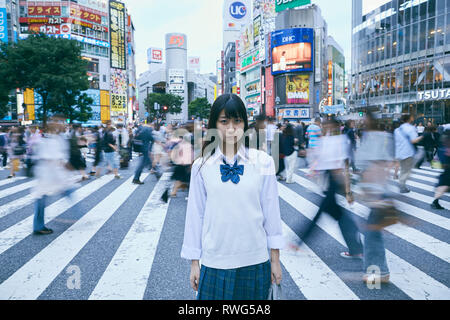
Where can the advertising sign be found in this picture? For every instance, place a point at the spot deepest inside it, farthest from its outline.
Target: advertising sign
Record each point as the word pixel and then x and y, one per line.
pixel 117 35
pixel 250 61
pixel 177 81
pixel 84 14
pixel 154 55
pixel 118 102
pixel 297 89
pixel 194 63
pixel 288 4
pixel 119 81
pixel 292 50
pixel 44 10
pixel 296 113
pixel 3 22
pixel 176 40
pixel 236 13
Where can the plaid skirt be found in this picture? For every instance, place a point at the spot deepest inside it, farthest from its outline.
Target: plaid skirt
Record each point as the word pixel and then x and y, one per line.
pixel 246 283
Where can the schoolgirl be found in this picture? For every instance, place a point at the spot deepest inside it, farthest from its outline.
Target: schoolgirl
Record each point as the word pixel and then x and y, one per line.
pixel 233 214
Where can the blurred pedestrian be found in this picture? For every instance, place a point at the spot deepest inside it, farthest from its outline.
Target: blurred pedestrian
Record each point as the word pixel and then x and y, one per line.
pixel 444 179
pixel 288 150
pixel 17 150
pixel 143 139
pixel 4 142
pixel 110 150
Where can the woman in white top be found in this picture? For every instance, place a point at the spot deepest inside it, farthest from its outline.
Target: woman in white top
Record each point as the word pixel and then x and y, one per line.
pixel 233 214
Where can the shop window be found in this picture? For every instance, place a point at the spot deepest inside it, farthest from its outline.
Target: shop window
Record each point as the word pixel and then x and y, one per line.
pixel 413 74
pixel 406 79
pixel 438 76
pixel 393 81
pixel 421 72
pixel 420 110
pixel 429 76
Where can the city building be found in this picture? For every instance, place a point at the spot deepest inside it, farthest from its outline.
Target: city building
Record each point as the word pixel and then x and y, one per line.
pixel 401 58
pixel 299 60
pixel 336 74
pixel 230 68
pixel 106 33
pixel 178 75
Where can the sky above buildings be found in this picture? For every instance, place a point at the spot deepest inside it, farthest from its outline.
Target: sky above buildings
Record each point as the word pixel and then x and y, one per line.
pixel 201 21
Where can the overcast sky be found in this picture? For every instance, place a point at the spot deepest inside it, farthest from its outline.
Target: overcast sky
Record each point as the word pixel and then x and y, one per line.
pixel 201 21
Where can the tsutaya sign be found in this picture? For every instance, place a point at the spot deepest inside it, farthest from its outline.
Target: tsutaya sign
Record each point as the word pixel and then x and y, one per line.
pixel 437 94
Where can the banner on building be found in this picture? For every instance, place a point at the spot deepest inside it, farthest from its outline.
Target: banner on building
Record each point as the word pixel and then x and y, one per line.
pixel 270 94
pixel 118 102
pixel 105 111
pixel 117 35
pixel 177 81
pixel 297 89
pixel 44 11
pixel 28 99
pixel 194 63
pixel 154 55
pixel 3 22
pixel 282 5
pixel 295 113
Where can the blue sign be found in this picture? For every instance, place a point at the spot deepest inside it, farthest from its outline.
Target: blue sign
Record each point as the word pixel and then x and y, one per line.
pixel 339 108
pixel 3 22
pixel 292 50
pixel 74 37
pixel 238 10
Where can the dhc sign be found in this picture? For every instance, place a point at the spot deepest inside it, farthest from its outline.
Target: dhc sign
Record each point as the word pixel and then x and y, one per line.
pixel 238 10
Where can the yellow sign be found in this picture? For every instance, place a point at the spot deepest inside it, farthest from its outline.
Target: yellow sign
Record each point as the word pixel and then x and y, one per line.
pixel 28 98
pixel 297 89
pixel 118 103
pixel 105 112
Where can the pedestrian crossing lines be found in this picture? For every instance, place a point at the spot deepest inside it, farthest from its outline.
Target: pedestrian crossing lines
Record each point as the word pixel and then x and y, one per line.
pixel 315 271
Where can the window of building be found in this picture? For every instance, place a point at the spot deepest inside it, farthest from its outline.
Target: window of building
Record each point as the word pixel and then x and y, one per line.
pixel 415 14
pixel 440 31
pixel 438 76
pixel 408 16
pixel 447 72
pixel 394 44
pixel 423 35
pixel 421 72
pixel 388 45
pixel 406 84
pixel 401 33
pixel 407 39
pixel 423 11
pixel 414 37
pixel 429 76
pixel 413 74
pixel 431 32
pixel 431 8
pixel 447 32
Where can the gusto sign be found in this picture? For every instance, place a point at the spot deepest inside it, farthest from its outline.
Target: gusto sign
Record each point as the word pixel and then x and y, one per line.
pixel 238 10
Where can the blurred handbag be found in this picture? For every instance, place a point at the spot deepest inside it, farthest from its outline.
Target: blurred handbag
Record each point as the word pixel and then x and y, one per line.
pixel 275 292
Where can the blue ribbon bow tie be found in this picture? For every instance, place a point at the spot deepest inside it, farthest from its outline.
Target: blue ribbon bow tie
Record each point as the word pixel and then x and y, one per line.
pixel 231 172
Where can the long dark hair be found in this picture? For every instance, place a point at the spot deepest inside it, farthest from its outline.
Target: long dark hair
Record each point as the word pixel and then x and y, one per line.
pixel 234 109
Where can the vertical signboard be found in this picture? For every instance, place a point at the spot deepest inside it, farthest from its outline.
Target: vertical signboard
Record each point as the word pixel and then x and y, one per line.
pixel 105 112
pixel 3 22
pixel 28 97
pixel 177 81
pixel 118 90
pixel 117 35
pixel 297 89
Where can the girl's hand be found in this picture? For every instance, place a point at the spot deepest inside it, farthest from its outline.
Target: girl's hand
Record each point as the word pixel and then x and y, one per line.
pixel 276 272
pixel 195 275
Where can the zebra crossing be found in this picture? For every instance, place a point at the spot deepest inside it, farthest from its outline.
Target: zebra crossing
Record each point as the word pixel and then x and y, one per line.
pixel 115 240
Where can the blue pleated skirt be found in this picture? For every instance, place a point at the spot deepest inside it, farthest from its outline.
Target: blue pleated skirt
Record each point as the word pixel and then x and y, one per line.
pixel 246 283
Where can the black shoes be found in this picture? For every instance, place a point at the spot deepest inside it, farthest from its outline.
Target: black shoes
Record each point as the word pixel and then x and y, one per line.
pixel 435 205
pixel 44 231
pixel 404 190
pixel 137 182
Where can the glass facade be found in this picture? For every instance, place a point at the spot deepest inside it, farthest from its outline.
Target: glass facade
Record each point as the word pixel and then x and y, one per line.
pixel 400 49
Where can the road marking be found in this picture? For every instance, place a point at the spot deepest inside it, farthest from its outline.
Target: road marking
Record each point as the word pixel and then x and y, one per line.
pixel 127 274
pixel 424 241
pixel 23 229
pixel 15 205
pixel 21 187
pixel 311 275
pixel 12 180
pixel 35 276
pixel 411 280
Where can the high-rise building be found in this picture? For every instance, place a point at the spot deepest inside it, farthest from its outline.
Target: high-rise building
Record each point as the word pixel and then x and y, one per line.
pixel 230 83
pixel 106 33
pixel 401 58
pixel 9 20
pixel 336 72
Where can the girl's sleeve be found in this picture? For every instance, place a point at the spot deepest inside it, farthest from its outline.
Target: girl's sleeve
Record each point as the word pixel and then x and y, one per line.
pixel 192 243
pixel 270 205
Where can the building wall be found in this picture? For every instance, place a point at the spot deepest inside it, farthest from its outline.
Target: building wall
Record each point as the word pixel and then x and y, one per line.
pixel 399 50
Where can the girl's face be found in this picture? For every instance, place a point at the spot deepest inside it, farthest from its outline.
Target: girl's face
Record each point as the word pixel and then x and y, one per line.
pixel 230 130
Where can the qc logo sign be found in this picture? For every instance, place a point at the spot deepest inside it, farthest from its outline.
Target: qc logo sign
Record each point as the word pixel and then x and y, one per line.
pixel 238 10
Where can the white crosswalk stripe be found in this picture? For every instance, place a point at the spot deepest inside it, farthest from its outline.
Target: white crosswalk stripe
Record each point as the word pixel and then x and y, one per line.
pixel 126 273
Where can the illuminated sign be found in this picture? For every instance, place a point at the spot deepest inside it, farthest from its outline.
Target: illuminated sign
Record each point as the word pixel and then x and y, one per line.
pixel 297 89
pixel 282 5
pixel 177 41
pixel 292 50
pixel 154 55
pixel 238 10
pixel 117 35
pixel 3 22
pixel 44 10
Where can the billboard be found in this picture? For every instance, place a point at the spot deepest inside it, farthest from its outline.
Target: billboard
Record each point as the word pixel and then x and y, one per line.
pixel 3 22
pixel 117 35
pixel 296 113
pixel 297 89
pixel 236 13
pixel 177 81
pixel 194 63
pixel 292 50
pixel 43 11
pixel 288 4
pixel 119 85
pixel 154 55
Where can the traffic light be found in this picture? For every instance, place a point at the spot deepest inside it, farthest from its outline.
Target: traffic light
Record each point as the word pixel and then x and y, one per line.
pixel 165 108
pixel 361 114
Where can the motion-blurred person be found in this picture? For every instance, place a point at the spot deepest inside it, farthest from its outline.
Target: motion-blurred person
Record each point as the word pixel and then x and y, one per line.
pixel 32 142
pixel 182 156
pixel 375 157
pixel 110 149
pixel 17 150
pixel 76 160
pixel 130 143
pixel 332 157
pixel 271 128
pixel 97 142
pixel 122 143
pixel 406 138
pixel 430 142
pixel 281 166
pixel 157 149
pixel 51 172
pixel 314 132
pixel 444 179
pixel 290 156
pixel 4 142
pixel 349 130
pixel 145 137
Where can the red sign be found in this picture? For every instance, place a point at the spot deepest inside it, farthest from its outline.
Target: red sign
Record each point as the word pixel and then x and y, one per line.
pixel 44 11
pixel 85 15
pixel 176 40
pixel 157 54
pixel 270 95
pixel 50 29
pixel 58 21
pixel 238 90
